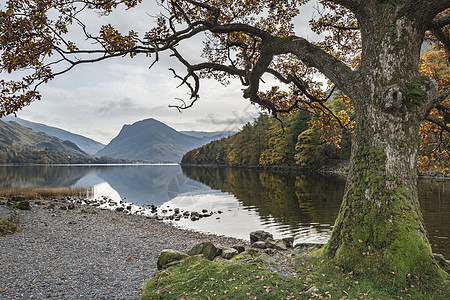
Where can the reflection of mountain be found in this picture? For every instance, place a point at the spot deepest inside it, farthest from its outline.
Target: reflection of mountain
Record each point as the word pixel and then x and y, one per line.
pixel 144 185
pixel 48 176
pixel 290 199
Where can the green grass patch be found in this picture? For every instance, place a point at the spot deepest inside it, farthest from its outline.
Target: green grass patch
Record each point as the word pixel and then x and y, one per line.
pixel 316 279
pixel 9 225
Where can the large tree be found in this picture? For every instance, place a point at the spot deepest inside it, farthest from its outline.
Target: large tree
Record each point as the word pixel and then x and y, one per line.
pixel 370 53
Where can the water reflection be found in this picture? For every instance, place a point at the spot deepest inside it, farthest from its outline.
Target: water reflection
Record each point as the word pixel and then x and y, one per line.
pixel 284 203
pixel 289 201
pixel 140 184
pixel 306 204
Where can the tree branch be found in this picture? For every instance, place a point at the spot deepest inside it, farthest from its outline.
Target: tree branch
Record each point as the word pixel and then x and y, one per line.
pixel 438 123
pixel 313 56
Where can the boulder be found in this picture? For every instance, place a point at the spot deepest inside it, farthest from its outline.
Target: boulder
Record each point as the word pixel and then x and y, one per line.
pixel 442 262
pixel 207 249
pixel 229 253
pixel 289 241
pixel 300 260
pixel 193 260
pixel 19 202
pixel 259 235
pixel 267 258
pixel 275 244
pixel 239 248
pixel 307 247
pixel 245 256
pixel 167 257
pixel 259 245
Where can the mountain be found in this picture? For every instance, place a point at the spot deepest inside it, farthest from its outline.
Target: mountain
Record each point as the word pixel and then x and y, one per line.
pixel 17 140
pixel 215 135
pixel 22 145
pixel 151 140
pixel 86 144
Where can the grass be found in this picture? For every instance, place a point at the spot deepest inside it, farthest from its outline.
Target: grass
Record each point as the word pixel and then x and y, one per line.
pixel 317 279
pixel 9 225
pixel 41 193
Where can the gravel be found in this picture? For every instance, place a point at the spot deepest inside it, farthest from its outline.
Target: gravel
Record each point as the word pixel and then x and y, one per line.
pixel 86 253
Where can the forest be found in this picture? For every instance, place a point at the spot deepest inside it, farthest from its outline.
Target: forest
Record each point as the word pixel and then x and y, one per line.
pixel 288 142
pixel 309 141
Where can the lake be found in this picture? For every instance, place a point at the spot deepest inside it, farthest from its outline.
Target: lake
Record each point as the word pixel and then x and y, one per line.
pixel 283 203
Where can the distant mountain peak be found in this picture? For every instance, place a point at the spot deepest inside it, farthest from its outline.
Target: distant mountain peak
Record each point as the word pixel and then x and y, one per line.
pixel 152 140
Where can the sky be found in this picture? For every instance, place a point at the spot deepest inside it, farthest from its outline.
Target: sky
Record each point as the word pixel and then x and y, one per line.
pixel 96 100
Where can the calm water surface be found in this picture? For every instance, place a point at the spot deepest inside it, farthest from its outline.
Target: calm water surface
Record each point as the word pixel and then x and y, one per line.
pixel 283 203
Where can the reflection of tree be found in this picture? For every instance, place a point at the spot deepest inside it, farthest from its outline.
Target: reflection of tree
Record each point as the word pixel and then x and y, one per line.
pixel 49 176
pixel 288 198
pixel 435 204
pixel 293 199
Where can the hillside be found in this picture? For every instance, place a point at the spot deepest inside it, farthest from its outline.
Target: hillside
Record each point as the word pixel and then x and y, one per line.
pixel 19 141
pixel 86 144
pixel 21 145
pixel 268 143
pixel 151 140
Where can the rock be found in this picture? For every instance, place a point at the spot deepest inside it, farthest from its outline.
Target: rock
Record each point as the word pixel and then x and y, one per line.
pixel 289 241
pixel 176 210
pixel 245 256
pixel 267 258
pixel 259 235
pixel 22 204
pixel 63 207
pixel 71 206
pixel 204 211
pixel 229 253
pixel 270 251
pixel 193 260
pixel 168 256
pixel 275 244
pixel 18 198
pixel 259 245
pixel 195 218
pixel 307 247
pixel 120 208
pixel 186 213
pixel 442 262
pixel 207 249
pixel 299 260
pixel 239 248
pixel 312 289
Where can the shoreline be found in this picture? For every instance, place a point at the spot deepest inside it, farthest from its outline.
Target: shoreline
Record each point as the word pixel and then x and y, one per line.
pixel 430 175
pixel 86 252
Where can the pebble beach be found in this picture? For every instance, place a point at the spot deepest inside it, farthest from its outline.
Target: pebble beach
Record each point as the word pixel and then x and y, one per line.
pixel 86 252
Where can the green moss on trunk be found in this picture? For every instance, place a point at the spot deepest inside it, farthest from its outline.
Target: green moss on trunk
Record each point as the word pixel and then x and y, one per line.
pixel 379 227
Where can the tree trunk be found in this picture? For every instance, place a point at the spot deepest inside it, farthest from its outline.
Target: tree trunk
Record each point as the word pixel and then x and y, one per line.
pixel 380 227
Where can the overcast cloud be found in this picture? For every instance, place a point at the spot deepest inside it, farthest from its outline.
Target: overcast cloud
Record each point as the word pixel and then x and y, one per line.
pixel 97 100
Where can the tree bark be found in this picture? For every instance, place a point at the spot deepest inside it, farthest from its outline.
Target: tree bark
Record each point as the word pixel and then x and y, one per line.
pixel 380 227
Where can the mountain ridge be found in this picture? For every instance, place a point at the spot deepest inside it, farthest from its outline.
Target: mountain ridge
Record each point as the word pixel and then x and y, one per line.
pixel 152 141
pixel 86 144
